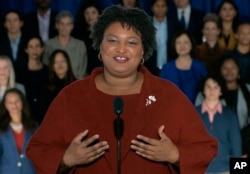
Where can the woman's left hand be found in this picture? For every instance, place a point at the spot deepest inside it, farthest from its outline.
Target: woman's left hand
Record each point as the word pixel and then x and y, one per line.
pixel 163 150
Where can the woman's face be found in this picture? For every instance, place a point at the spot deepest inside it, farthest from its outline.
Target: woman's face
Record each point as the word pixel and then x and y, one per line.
pixel 91 14
pixel 211 31
pixel 64 26
pixel 4 70
pixel 183 45
pixel 60 65
pixel 212 90
pixel 227 12
pixel 230 71
pixel 160 9
pixel 14 106
pixel 34 49
pixel 129 3
pixel 121 49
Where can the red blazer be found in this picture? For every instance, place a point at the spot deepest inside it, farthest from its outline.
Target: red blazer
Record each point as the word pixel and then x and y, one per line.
pixel 82 106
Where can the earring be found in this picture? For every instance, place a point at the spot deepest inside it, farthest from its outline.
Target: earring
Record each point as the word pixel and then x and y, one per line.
pixel 99 57
pixel 142 61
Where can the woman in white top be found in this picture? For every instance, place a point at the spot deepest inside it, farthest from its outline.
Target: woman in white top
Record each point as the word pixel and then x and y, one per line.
pixel 7 76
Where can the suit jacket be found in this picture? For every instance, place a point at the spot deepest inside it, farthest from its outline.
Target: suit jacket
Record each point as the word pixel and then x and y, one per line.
pixel 21 60
pixel 10 159
pixel 151 64
pixel 195 23
pixel 82 106
pixel 31 25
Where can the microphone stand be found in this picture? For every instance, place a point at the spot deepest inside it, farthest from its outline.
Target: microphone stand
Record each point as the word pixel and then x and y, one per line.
pixel 118 124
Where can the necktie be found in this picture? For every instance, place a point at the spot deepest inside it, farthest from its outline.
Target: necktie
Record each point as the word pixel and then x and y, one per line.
pixel 182 20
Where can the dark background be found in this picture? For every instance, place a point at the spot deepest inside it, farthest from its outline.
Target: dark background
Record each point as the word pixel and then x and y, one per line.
pixel 26 6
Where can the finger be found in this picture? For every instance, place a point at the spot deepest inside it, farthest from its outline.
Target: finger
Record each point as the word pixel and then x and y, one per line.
pixel 147 140
pixel 97 148
pixel 142 147
pixel 93 158
pixel 90 140
pixel 161 132
pixel 145 155
pixel 80 136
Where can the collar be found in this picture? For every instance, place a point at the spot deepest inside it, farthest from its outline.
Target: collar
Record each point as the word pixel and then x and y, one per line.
pixel 187 10
pixel 46 15
pixel 205 108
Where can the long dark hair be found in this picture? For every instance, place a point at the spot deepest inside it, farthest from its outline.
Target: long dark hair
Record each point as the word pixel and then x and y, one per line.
pixel 236 18
pixel 81 23
pixel 52 76
pixel 27 121
pixel 240 82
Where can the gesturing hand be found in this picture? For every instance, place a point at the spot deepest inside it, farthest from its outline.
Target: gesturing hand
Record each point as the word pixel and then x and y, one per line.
pixel 82 152
pixel 163 150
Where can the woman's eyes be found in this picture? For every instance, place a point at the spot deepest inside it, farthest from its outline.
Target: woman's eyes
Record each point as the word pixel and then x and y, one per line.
pixel 117 41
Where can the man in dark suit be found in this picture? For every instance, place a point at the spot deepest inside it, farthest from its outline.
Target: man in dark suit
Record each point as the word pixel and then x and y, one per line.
pixel 164 32
pixel 188 18
pixel 41 22
pixel 12 41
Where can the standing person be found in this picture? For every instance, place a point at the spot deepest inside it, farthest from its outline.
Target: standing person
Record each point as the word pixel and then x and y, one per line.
pixel 210 51
pixel 41 22
pixel 164 30
pixel 156 135
pixel 185 71
pixel 130 3
pixel 7 76
pixel 237 95
pixel 187 18
pixel 60 74
pixel 75 48
pixel 16 128
pixel 228 12
pixel 35 76
pixel 12 42
pixel 242 50
pixel 86 17
pixel 221 123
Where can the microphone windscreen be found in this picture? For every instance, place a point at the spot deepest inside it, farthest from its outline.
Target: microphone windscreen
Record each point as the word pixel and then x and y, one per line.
pixel 118 105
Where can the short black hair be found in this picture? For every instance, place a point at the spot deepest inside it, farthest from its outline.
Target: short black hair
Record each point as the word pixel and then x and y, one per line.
pixel 13 11
pixel 218 79
pixel 174 54
pixel 134 18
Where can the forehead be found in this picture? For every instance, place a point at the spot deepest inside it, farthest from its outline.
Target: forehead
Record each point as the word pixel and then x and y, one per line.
pixel 12 95
pixel 3 62
pixel 12 15
pixel 118 27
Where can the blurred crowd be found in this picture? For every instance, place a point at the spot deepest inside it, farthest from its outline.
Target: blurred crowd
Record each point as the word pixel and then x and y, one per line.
pixel 207 55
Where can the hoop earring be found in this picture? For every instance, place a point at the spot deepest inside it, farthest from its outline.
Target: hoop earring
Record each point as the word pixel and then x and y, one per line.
pixel 99 57
pixel 142 61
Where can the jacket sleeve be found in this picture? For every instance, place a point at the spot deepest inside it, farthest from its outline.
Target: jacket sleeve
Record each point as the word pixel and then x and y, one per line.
pixel 46 147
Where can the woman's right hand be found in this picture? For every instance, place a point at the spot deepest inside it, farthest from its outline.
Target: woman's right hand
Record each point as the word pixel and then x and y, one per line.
pixel 82 151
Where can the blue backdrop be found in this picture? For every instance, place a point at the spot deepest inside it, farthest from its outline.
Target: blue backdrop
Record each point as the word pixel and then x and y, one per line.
pixel 26 6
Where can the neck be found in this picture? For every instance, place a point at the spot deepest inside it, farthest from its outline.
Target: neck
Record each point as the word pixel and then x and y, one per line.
pixel 159 19
pixel 14 36
pixel 64 40
pixel 212 43
pixel 34 64
pixel 42 11
pixel 243 48
pixel 212 104
pixel 3 82
pixel 120 85
pixel 227 27
pixel 232 85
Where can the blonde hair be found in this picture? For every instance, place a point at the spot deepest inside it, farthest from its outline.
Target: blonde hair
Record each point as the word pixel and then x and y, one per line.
pixel 11 80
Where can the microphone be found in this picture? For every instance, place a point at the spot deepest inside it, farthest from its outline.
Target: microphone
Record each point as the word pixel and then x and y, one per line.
pixel 118 106
pixel 118 127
